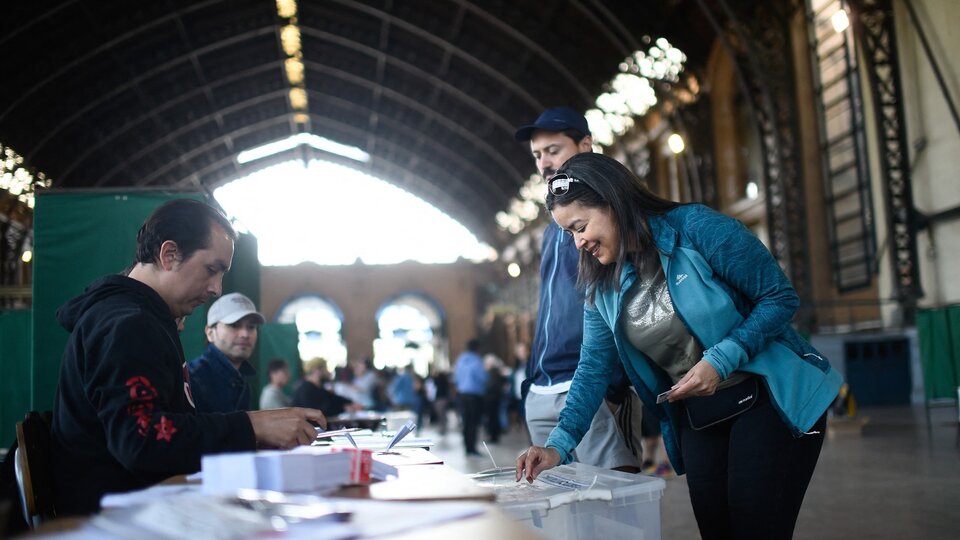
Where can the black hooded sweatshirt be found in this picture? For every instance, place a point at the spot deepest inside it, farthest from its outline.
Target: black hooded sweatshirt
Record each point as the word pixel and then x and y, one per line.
pixel 123 417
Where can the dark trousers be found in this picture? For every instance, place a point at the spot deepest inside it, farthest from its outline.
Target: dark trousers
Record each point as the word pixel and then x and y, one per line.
pixel 472 412
pixel 491 416
pixel 747 476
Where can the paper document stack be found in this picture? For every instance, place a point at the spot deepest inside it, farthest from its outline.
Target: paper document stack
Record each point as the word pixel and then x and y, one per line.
pixel 303 470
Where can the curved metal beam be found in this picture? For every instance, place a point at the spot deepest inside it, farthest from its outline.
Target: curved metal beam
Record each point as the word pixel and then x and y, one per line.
pixel 446 45
pixel 479 142
pixel 531 45
pixel 413 70
pixel 409 68
pixel 426 111
pixel 631 45
pixel 177 133
pixel 135 81
pixel 343 104
pixel 430 142
pixel 259 125
pixel 22 27
pixel 105 47
pixel 160 109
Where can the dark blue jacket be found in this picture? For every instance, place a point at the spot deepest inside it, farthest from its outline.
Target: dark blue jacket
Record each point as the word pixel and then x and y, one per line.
pixel 217 385
pixel 555 352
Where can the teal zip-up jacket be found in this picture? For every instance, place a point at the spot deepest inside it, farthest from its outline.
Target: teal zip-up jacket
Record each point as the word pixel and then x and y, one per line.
pixel 735 300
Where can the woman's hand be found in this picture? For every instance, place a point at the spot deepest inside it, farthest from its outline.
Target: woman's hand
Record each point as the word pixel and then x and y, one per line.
pixel 701 380
pixel 536 460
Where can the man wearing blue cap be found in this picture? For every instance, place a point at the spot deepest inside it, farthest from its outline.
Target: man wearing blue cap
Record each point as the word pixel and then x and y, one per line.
pixel 217 377
pixel 558 134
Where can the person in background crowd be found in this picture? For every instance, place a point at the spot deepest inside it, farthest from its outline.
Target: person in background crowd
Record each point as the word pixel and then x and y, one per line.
pixel 471 380
pixel 698 311
pixel 217 377
pixel 493 394
pixel 312 392
pixel 402 389
pixel 438 384
pixel 521 353
pixel 273 396
pixel 364 381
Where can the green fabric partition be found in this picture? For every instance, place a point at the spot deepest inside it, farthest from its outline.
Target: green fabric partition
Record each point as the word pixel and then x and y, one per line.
pixel 278 340
pixel 938 331
pixel 15 341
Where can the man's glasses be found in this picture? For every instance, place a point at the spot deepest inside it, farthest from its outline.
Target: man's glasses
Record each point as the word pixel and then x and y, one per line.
pixel 560 184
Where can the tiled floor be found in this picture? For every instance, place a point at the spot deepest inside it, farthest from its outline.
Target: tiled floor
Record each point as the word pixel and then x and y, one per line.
pixel 892 481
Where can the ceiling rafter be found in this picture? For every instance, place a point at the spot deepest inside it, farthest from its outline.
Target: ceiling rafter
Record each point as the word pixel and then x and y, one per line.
pixel 133 82
pixel 107 46
pixel 447 123
pixel 160 109
pixel 182 130
pixel 169 93
pixel 531 45
pixel 487 69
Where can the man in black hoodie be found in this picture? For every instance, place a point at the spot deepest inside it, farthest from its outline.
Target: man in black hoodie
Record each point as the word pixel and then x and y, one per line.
pixel 123 416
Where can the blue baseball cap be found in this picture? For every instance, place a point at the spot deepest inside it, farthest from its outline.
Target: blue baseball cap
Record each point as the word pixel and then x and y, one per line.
pixel 555 119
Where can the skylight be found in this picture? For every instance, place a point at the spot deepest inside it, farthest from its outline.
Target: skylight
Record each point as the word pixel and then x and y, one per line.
pixel 334 215
pixel 309 139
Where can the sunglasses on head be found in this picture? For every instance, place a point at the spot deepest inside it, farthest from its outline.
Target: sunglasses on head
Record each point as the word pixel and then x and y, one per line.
pixel 560 184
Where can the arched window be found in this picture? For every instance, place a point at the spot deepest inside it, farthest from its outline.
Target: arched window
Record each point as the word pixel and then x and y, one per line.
pixel 411 330
pixel 320 325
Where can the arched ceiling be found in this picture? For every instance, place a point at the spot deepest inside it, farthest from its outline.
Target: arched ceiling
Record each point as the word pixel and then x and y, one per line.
pixel 119 94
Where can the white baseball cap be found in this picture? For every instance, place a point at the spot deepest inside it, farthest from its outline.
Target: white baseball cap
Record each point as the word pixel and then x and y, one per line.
pixel 230 308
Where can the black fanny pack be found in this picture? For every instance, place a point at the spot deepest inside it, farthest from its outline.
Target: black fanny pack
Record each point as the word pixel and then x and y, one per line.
pixel 724 404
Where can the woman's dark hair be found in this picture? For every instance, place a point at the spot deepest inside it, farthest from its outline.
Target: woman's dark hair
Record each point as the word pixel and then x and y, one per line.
pixel 606 183
pixel 185 221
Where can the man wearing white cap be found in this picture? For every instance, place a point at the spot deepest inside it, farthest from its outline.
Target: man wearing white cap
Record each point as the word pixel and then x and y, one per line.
pixel 217 376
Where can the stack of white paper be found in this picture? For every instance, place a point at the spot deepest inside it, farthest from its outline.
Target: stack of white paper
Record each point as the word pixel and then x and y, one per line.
pixel 302 470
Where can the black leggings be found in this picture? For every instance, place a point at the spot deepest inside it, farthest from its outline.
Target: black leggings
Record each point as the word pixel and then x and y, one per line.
pixel 747 476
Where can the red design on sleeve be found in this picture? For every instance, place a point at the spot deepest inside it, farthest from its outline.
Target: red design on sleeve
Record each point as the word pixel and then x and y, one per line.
pixel 143 412
pixel 165 429
pixel 141 389
pixel 142 394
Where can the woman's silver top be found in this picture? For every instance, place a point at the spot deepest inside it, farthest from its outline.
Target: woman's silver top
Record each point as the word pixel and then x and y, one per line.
pixel 653 327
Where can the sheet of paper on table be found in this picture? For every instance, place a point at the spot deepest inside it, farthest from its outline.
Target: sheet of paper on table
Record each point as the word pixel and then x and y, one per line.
pixel 194 515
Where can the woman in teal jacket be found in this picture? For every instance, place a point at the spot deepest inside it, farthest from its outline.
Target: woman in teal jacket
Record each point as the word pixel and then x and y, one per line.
pixel 694 307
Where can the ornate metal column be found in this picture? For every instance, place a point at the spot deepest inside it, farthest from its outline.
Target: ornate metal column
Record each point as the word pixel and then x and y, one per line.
pixel 874 27
pixel 757 37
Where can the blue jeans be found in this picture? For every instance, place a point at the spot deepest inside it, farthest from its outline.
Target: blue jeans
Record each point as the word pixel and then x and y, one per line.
pixel 747 476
